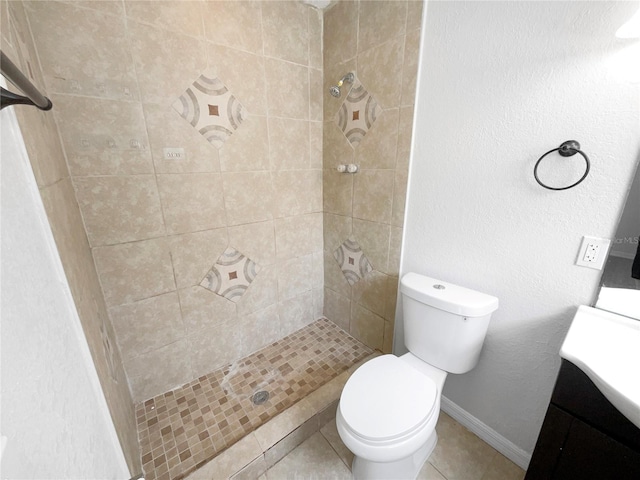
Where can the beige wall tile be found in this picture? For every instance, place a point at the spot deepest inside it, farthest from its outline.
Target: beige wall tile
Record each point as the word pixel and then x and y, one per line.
pixel 299 192
pixel 399 197
pixel 285 26
pixel 333 276
pixel 4 23
pixel 366 326
pixel 294 277
pixel 378 147
pixel 242 73
pixel 167 129
pixel 315 37
pixel 374 66
pixel 299 235
pixel 337 192
pixel 288 144
pixel 296 313
pixel 160 370
pixel 387 342
pixel 183 16
pixel 317 274
pixel 265 321
pixel 255 240
pixel 287 89
pixel 318 302
pixel 316 93
pixel 414 14
pixel 43 145
pixel 248 197
pixel 215 347
pixel 336 149
pixel 147 325
pixel 248 147
pixel 371 292
pixel 315 145
pixel 192 202
pixel 119 209
pixel 193 254
pixel 101 64
pixel 333 72
pixel 373 237
pixel 372 195
pixel 103 136
pixel 163 81
pixel 340 32
pixel 392 299
pixel 395 247
pixel 337 308
pixel 262 293
pixel 410 67
pixel 235 24
pixel 405 127
pixel 337 228
pixel 134 271
pixel 380 21
pixel 106 6
pixel 202 309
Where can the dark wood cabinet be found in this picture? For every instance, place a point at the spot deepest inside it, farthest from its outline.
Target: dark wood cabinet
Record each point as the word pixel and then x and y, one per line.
pixel 583 435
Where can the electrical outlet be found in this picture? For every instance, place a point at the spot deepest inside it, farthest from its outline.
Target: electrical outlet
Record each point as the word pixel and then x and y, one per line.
pixel 593 252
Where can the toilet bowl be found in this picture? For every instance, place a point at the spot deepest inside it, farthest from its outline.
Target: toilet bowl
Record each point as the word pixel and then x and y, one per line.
pixel 389 407
pixel 390 443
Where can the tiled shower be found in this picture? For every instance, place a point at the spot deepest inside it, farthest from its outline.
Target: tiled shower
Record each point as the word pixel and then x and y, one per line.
pixel 188 169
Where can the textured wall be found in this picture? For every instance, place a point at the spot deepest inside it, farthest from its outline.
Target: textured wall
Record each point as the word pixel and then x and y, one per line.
pixel 52 177
pixel 54 415
pixel 378 41
pixel 500 84
pixel 156 226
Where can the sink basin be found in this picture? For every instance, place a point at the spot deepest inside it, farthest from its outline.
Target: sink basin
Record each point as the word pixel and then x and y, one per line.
pixel 606 347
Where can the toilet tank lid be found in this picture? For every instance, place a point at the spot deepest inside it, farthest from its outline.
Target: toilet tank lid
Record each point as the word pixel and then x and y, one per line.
pixel 446 296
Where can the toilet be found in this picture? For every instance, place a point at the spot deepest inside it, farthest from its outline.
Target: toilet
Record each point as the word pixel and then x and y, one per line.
pixel 389 407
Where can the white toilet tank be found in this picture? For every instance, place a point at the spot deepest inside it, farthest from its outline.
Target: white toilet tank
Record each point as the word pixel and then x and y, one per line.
pixel 444 324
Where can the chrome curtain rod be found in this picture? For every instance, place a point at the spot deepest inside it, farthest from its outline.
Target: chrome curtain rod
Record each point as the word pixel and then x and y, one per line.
pixel 15 76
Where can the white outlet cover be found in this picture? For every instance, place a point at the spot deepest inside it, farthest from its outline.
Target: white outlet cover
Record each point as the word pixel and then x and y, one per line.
pixel 597 263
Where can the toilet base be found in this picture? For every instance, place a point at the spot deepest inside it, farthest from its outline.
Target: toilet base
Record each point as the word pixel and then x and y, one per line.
pixel 404 469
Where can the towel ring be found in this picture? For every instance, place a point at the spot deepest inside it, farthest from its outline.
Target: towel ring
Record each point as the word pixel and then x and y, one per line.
pixel 567 149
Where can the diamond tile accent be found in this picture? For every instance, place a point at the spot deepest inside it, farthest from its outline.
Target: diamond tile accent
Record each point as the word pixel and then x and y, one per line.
pixel 352 261
pixel 211 108
pixel 231 275
pixel 181 430
pixel 357 113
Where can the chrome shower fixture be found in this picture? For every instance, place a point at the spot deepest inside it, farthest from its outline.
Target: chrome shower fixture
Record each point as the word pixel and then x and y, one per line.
pixel 335 90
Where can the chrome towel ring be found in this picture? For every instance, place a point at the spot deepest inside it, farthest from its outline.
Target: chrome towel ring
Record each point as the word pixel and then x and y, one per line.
pixel 567 149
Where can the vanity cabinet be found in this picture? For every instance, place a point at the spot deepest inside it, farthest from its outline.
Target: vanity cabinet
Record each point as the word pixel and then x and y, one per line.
pixel 584 437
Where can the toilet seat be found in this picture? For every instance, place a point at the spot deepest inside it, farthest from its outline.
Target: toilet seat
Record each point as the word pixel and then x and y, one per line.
pixel 386 400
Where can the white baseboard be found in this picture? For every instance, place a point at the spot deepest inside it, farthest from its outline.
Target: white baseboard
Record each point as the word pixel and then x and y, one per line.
pixel 487 434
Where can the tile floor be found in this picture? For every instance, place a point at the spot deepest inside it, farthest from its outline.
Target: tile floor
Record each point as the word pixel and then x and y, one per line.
pixel 182 430
pixel 459 455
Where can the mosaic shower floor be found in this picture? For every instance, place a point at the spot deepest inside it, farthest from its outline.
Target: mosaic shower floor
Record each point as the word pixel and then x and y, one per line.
pixel 181 430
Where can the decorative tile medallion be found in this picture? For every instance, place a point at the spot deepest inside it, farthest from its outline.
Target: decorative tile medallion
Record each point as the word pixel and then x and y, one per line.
pixel 357 113
pixel 352 261
pixel 211 108
pixel 231 275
